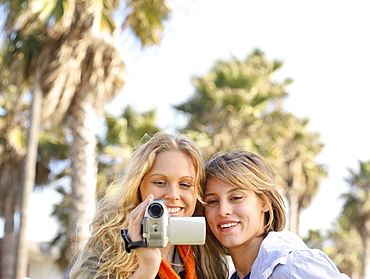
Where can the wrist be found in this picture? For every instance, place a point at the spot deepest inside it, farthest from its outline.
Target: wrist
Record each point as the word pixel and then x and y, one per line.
pixel 129 245
pixel 144 273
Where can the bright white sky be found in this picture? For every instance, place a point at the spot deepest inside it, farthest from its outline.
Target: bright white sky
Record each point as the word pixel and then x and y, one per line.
pixel 325 49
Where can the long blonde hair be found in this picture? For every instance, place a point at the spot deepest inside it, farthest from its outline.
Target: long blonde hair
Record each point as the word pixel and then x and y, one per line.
pixel 244 170
pixel 105 244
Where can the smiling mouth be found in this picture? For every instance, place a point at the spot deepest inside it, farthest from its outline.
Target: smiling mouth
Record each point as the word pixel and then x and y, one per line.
pixel 173 209
pixel 228 225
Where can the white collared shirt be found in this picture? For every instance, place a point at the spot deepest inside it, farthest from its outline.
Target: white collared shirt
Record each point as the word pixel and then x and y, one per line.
pixel 285 255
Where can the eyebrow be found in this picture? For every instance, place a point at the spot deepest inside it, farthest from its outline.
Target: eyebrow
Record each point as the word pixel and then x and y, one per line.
pixel 182 177
pixel 230 191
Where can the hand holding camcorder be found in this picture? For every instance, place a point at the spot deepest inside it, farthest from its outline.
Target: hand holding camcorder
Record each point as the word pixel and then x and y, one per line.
pixel 159 229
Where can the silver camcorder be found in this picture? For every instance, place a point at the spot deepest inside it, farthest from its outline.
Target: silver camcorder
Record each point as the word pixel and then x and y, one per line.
pixel 159 228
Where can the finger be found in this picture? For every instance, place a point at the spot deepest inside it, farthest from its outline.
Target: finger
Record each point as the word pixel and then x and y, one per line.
pixel 148 199
pixel 140 209
pixel 135 219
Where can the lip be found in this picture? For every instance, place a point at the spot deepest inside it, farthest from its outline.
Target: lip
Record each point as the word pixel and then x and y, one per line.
pixel 227 225
pixel 175 213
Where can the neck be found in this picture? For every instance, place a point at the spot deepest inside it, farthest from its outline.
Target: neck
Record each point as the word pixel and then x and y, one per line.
pixel 168 252
pixel 244 256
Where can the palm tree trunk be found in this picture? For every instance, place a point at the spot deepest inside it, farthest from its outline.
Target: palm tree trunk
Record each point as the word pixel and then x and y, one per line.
pixel 293 212
pixel 10 173
pixel 366 256
pixel 28 179
pixel 84 170
pixel 8 243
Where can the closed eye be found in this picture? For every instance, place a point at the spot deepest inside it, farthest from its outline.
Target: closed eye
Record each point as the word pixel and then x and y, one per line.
pixel 185 185
pixel 236 198
pixel 160 183
pixel 211 202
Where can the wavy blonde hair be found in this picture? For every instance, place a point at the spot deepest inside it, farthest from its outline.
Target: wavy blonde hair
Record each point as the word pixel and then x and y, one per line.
pixel 104 255
pixel 244 170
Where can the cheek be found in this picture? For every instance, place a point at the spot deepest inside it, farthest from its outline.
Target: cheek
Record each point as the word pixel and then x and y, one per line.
pixel 191 199
pixel 210 219
pixel 208 212
pixel 146 189
pixel 143 191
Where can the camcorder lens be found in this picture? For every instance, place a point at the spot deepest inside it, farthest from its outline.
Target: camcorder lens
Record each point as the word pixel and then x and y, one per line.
pixel 155 210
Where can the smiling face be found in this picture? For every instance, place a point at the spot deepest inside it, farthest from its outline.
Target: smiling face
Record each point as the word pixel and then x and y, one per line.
pixel 172 178
pixel 235 216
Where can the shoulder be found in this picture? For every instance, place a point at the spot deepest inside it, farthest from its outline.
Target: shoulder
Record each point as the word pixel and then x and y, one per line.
pixel 274 251
pixel 284 240
pixel 285 255
pixel 311 263
pixel 277 246
pixel 85 266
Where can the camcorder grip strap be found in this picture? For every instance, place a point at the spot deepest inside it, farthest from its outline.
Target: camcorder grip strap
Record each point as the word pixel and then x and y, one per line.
pixel 131 245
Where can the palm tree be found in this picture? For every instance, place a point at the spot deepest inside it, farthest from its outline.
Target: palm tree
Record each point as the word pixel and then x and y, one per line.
pixel 357 209
pixel 227 108
pixel 21 57
pixel 115 147
pixel 11 157
pixel 14 119
pixel 346 250
pixel 124 132
pixel 292 149
pixel 79 70
pixel 238 104
pixel 341 243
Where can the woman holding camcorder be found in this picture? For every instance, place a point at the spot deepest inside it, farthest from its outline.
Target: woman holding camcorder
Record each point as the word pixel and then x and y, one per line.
pixel 166 167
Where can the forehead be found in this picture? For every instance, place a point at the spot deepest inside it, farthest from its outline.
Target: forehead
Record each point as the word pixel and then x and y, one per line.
pixel 172 160
pixel 215 186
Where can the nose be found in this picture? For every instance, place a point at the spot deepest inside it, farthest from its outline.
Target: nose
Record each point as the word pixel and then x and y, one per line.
pixel 224 209
pixel 172 193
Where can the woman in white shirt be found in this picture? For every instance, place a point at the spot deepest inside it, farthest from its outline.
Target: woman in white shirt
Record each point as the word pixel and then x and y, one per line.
pixel 246 216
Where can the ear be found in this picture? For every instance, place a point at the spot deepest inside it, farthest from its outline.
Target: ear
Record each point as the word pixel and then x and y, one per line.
pixel 265 207
pixel 265 203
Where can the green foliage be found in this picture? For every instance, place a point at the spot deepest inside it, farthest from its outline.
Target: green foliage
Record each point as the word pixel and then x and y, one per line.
pixel 348 241
pixel 292 148
pixel 146 18
pixel 14 113
pixel 361 179
pixel 23 42
pixel 66 51
pixel 231 100
pixel 53 150
pixel 346 250
pixel 316 239
pixel 116 146
pixel 54 142
pixel 342 244
pixel 46 11
pixel 129 126
pixel 357 201
pixel 238 104
pixel 61 214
